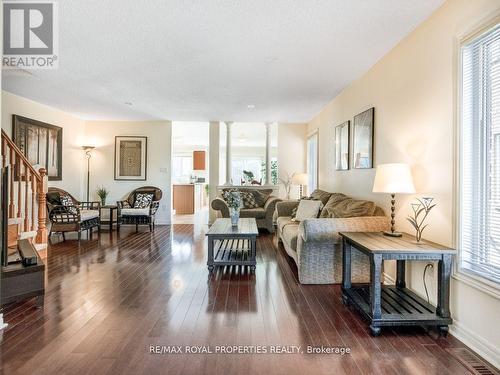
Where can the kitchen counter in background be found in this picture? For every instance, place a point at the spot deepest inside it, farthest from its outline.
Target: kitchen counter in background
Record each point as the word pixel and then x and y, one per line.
pixel 189 198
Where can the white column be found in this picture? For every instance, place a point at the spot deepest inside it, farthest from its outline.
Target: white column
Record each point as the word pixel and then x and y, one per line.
pixel 268 153
pixel 228 153
pixel 213 165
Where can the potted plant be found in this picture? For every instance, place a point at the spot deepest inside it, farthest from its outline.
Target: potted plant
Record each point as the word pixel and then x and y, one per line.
pixel 102 193
pixel 248 175
pixel 233 200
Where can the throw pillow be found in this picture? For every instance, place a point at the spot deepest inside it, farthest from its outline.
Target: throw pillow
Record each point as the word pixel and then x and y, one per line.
pixel 308 209
pixel 143 200
pixel 335 199
pixel 248 200
pixel 353 208
pixel 320 195
pixel 261 196
pixel 68 202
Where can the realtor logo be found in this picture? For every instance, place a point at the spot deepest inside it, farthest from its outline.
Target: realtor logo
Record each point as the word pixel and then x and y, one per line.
pixel 30 35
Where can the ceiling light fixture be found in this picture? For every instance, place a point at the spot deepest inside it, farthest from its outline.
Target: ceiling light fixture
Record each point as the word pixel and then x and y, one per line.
pixel 251 106
pixel 128 103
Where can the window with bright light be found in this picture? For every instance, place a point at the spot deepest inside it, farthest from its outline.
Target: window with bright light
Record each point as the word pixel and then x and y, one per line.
pixel 312 162
pixel 182 166
pixel 480 157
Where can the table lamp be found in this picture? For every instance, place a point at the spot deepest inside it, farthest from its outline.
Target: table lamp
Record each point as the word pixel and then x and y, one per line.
pixel 301 180
pixel 393 178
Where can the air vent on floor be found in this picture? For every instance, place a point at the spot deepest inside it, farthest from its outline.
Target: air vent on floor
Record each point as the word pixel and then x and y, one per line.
pixel 473 363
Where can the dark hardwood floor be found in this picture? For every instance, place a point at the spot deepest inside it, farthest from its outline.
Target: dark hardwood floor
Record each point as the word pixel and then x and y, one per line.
pixel 109 299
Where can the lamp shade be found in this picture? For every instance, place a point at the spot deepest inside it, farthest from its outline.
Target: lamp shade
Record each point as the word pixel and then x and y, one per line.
pixel 393 178
pixel 300 178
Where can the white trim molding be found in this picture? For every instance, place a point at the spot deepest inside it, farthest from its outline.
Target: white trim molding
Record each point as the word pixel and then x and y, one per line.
pixel 2 323
pixel 481 346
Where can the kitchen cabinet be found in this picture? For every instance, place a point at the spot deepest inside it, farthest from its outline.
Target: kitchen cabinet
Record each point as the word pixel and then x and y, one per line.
pixel 188 198
pixel 199 160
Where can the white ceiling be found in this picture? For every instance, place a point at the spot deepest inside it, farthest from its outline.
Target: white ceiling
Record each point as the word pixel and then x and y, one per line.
pixel 208 60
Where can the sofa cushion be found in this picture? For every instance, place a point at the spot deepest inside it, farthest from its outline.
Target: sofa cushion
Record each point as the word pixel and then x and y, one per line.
pixel 257 213
pixel 261 196
pixel 352 208
pixel 308 209
pixel 248 200
pixel 335 198
pixel 289 234
pixel 321 195
pixel 288 230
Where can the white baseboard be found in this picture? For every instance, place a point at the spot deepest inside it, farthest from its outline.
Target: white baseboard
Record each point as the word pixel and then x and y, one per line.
pixel 482 347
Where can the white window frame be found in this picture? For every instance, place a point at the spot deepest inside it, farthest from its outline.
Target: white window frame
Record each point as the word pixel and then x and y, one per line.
pixel 309 136
pixel 472 279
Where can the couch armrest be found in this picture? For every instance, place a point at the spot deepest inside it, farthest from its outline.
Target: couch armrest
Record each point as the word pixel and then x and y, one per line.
pixel 327 230
pixel 219 204
pixel 285 208
pixel 270 206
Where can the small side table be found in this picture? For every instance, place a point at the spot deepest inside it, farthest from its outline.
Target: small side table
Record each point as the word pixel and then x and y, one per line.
pixel 396 305
pixel 111 221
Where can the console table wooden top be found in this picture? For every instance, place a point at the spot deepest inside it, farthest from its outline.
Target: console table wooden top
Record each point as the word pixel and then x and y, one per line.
pixel 378 243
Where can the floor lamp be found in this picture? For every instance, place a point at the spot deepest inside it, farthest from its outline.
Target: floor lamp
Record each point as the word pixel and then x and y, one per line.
pixel 88 155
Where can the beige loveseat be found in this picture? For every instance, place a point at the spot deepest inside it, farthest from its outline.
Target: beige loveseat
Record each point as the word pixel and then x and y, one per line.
pixel 263 214
pixel 314 244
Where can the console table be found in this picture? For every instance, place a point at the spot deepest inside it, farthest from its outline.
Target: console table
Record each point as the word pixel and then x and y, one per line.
pixel 395 305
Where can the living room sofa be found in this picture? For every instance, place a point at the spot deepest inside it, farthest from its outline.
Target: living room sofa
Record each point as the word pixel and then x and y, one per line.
pixel 315 244
pixel 263 214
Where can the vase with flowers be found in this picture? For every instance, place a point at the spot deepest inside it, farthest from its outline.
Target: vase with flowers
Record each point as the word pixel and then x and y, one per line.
pixel 233 200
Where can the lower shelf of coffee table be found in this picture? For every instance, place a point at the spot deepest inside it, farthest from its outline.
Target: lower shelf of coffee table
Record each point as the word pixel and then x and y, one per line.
pixel 233 252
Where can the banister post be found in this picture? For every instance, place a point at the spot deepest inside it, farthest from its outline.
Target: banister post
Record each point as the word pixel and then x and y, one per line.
pixel 41 235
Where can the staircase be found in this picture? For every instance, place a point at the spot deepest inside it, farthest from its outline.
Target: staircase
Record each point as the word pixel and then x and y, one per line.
pixel 26 208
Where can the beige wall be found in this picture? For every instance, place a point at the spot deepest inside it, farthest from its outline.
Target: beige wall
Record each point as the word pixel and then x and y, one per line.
pixel 412 89
pixel 73 133
pixel 102 135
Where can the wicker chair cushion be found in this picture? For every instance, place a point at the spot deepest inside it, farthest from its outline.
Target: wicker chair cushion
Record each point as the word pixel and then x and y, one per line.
pixel 143 200
pixel 135 211
pixel 84 215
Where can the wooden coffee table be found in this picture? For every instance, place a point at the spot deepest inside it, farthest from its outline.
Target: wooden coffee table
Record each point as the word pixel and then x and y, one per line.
pixel 228 245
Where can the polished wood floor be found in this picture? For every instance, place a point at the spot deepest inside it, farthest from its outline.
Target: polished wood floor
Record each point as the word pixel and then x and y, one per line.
pixel 108 300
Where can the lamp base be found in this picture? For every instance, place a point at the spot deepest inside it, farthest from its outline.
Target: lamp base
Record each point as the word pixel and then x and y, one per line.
pixel 393 234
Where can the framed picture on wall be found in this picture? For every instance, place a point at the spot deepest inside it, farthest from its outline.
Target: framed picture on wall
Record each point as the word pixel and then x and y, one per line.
pixel 131 158
pixel 41 143
pixel 342 136
pixel 362 146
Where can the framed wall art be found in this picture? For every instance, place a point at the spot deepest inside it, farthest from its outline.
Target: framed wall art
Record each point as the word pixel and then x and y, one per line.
pixel 363 129
pixel 342 137
pixel 41 143
pixel 131 158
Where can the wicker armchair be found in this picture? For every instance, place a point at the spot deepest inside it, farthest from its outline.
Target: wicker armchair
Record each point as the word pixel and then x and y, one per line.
pixel 128 213
pixel 74 217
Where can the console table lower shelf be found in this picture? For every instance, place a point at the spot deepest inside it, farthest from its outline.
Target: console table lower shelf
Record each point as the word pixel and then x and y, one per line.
pixel 400 307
